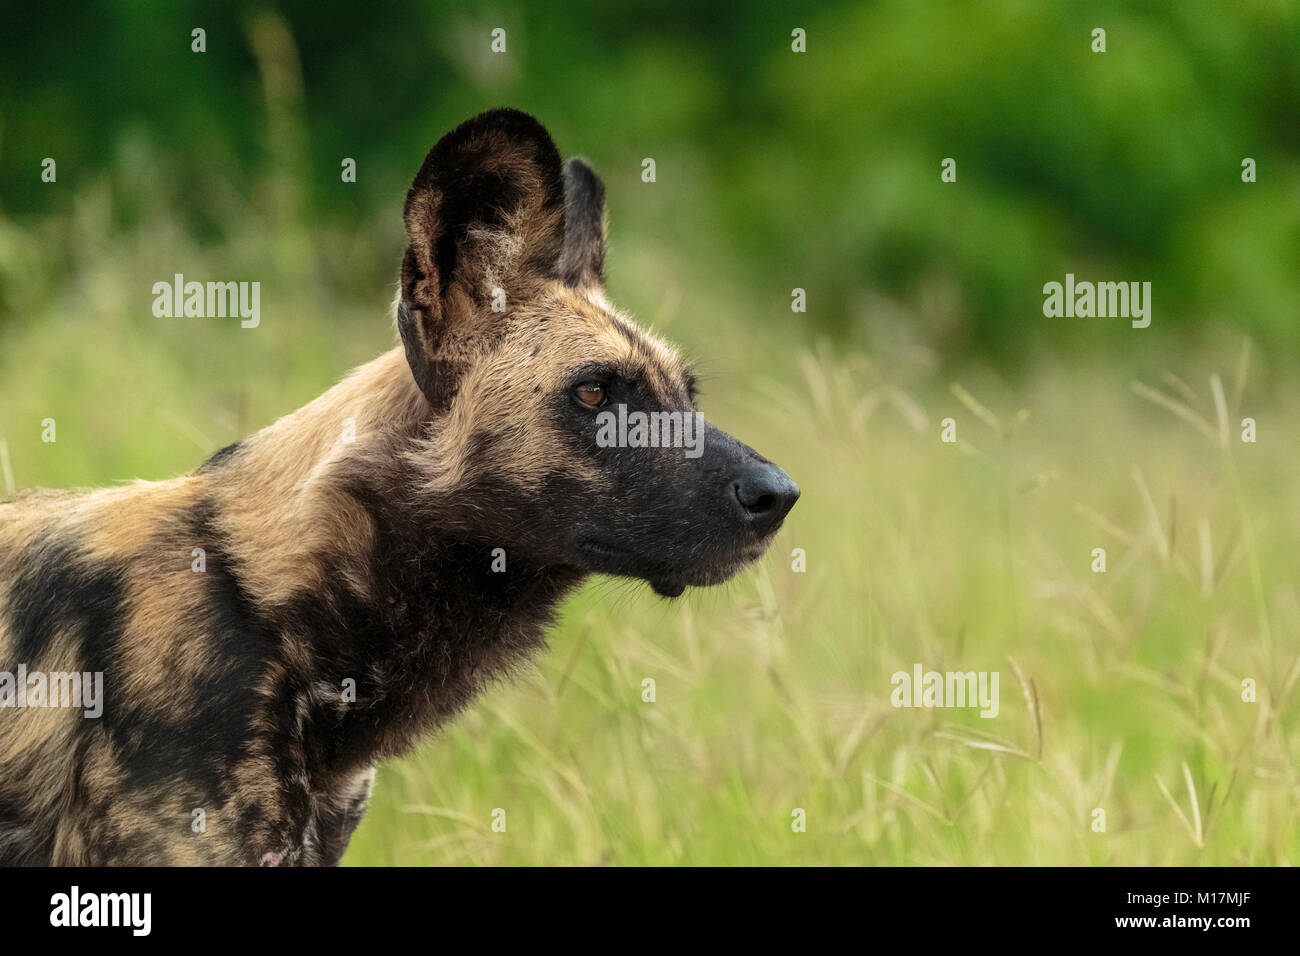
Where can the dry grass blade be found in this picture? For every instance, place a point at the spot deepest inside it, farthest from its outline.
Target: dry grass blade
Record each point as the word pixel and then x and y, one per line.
pixel 849 745
pixel 445 813
pixel 994 746
pixel 910 798
pixel 1196 805
pixel 1193 828
pixel 1220 407
pixel 1182 388
pixel 980 411
pixel 1153 515
pixel 1177 809
pixel 908 408
pixel 1185 412
pixel 1031 701
pixel 1105 524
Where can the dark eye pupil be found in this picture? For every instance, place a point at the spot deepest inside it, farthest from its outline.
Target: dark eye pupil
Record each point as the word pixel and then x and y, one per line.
pixel 591 394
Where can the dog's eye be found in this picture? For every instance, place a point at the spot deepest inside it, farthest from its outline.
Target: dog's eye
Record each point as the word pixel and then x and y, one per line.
pixel 591 394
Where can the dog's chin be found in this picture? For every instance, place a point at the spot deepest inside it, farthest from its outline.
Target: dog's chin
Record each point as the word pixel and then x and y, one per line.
pixel 668 582
pixel 668 587
pixel 708 575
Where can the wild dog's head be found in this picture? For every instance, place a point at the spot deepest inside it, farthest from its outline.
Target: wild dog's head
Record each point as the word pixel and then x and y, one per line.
pixel 570 434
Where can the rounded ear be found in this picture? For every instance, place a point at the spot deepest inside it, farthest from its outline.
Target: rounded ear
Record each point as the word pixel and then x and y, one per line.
pixel 583 260
pixel 484 217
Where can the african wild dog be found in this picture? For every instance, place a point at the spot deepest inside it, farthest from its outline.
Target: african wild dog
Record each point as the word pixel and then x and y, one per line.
pixel 329 556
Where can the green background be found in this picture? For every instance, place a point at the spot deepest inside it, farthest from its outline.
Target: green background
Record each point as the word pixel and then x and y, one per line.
pixel 775 170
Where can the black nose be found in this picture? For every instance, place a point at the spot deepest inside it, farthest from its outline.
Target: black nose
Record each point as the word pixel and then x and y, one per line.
pixel 765 495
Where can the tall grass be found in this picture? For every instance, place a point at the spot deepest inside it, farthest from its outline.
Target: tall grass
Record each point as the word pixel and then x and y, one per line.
pixel 1120 690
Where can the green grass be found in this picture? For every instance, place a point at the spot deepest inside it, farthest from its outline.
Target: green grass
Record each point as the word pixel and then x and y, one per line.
pixel 773 693
pixel 1119 690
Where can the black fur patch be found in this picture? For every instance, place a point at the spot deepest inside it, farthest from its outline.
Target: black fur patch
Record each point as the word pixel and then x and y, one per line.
pixel 211 733
pixel 426 640
pixel 57 587
pixel 19 844
pixel 220 457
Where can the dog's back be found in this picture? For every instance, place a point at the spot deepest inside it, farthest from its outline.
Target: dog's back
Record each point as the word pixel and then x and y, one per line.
pixel 103 639
pixel 162 596
pixel 65 563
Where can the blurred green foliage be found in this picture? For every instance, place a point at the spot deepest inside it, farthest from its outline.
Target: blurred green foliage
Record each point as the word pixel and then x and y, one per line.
pixel 775 170
pixel 817 170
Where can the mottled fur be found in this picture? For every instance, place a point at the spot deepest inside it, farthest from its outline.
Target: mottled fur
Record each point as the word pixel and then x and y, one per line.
pixel 353 541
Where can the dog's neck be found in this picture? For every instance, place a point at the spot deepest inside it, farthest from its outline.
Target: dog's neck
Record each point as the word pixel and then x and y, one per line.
pixel 370 577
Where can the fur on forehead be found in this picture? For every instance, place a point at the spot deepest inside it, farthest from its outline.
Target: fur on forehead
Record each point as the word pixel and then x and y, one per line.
pixel 566 328
pixel 505 391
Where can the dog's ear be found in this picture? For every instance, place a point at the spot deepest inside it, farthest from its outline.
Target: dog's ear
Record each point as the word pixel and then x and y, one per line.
pixel 484 219
pixel 583 260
